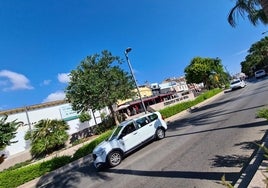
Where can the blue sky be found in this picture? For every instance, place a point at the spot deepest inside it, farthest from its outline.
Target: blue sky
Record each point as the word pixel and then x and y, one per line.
pixel 41 41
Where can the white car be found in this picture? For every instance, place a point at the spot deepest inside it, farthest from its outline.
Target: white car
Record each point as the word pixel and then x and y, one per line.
pixel 128 136
pixel 260 73
pixel 237 83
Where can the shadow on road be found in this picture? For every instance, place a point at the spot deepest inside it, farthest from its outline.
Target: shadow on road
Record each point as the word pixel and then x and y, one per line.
pixel 229 161
pixel 247 125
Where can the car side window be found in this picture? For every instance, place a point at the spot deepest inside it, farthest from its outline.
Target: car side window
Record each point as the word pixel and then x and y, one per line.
pixel 128 129
pixel 153 117
pixel 142 121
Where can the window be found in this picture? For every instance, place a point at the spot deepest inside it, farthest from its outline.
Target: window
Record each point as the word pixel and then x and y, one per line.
pixel 128 129
pixel 153 117
pixel 142 121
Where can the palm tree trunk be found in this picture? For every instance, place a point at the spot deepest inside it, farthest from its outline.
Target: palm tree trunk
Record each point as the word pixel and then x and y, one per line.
pixel 264 5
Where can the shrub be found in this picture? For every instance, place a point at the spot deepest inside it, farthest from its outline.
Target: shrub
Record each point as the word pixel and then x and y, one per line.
pixel 84 116
pixel 177 108
pixel 88 148
pixel 16 177
pixel 106 124
pixel 262 113
pixel 48 136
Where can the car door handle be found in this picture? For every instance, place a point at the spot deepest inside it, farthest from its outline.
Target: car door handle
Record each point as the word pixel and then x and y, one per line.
pixel 135 133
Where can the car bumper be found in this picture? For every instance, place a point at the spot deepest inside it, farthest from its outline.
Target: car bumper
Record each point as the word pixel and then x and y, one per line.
pixel 98 161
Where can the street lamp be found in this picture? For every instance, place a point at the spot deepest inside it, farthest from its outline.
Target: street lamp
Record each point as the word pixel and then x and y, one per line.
pixel 131 71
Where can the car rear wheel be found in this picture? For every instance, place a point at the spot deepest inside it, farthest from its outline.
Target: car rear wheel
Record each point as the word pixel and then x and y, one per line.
pixel 160 134
pixel 114 158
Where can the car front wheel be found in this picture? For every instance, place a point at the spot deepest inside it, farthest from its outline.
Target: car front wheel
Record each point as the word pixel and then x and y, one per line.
pixel 160 134
pixel 114 158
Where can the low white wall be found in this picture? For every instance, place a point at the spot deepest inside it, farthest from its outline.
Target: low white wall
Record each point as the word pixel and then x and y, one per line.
pixel 161 105
pixel 30 118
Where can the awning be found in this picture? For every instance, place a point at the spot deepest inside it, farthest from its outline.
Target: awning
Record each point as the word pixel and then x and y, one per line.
pixel 123 106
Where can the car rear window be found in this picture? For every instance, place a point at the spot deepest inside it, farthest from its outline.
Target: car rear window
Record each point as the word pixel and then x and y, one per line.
pixel 153 117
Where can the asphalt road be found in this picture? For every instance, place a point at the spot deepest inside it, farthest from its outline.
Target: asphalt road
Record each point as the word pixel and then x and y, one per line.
pixel 214 140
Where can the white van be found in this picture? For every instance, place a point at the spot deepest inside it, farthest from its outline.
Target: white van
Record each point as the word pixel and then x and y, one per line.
pixel 128 136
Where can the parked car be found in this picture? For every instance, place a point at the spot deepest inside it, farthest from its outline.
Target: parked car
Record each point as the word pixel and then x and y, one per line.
pixel 127 137
pixel 260 73
pixel 237 83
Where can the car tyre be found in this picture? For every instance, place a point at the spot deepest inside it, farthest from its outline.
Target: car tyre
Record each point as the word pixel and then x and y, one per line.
pixel 160 134
pixel 114 158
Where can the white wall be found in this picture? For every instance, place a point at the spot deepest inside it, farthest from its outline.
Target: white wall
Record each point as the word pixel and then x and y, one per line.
pixel 52 112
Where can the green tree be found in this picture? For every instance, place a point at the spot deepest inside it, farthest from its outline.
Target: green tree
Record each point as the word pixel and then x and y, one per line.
pixel 7 131
pixel 256 11
pixel 97 83
pixel 257 57
pixel 47 136
pixel 206 70
pixel 84 116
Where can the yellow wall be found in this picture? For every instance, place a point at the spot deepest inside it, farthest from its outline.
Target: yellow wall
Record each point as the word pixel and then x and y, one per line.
pixel 144 91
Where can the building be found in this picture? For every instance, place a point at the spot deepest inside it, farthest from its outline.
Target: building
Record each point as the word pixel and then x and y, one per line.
pixel 30 115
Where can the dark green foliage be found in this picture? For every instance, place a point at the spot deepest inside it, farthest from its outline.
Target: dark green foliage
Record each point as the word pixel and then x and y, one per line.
pixel 98 82
pixel 252 9
pixel 88 148
pixel 55 163
pixel 172 110
pixel 106 124
pixel 84 116
pixel 257 57
pixel 262 113
pixel 48 136
pixel 7 131
pixel 206 70
pixel 16 177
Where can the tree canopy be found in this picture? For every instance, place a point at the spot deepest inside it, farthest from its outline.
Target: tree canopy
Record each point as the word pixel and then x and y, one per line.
pixel 206 70
pixel 257 57
pixel 255 10
pixel 7 131
pixel 98 82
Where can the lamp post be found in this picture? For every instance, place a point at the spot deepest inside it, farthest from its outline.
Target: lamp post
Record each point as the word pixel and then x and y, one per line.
pixel 131 71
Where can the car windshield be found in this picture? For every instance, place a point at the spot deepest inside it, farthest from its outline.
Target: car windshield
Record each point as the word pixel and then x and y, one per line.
pixel 115 133
pixel 235 82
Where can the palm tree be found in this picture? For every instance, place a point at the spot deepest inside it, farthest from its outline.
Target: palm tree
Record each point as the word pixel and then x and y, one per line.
pixel 264 5
pixel 7 131
pixel 256 10
pixel 48 136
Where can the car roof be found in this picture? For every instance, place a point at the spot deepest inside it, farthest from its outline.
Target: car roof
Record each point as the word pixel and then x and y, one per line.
pixel 235 80
pixel 126 122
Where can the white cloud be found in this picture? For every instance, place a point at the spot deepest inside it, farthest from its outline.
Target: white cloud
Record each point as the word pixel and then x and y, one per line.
pixel 59 95
pixel 14 81
pixel 63 77
pixel 45 82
